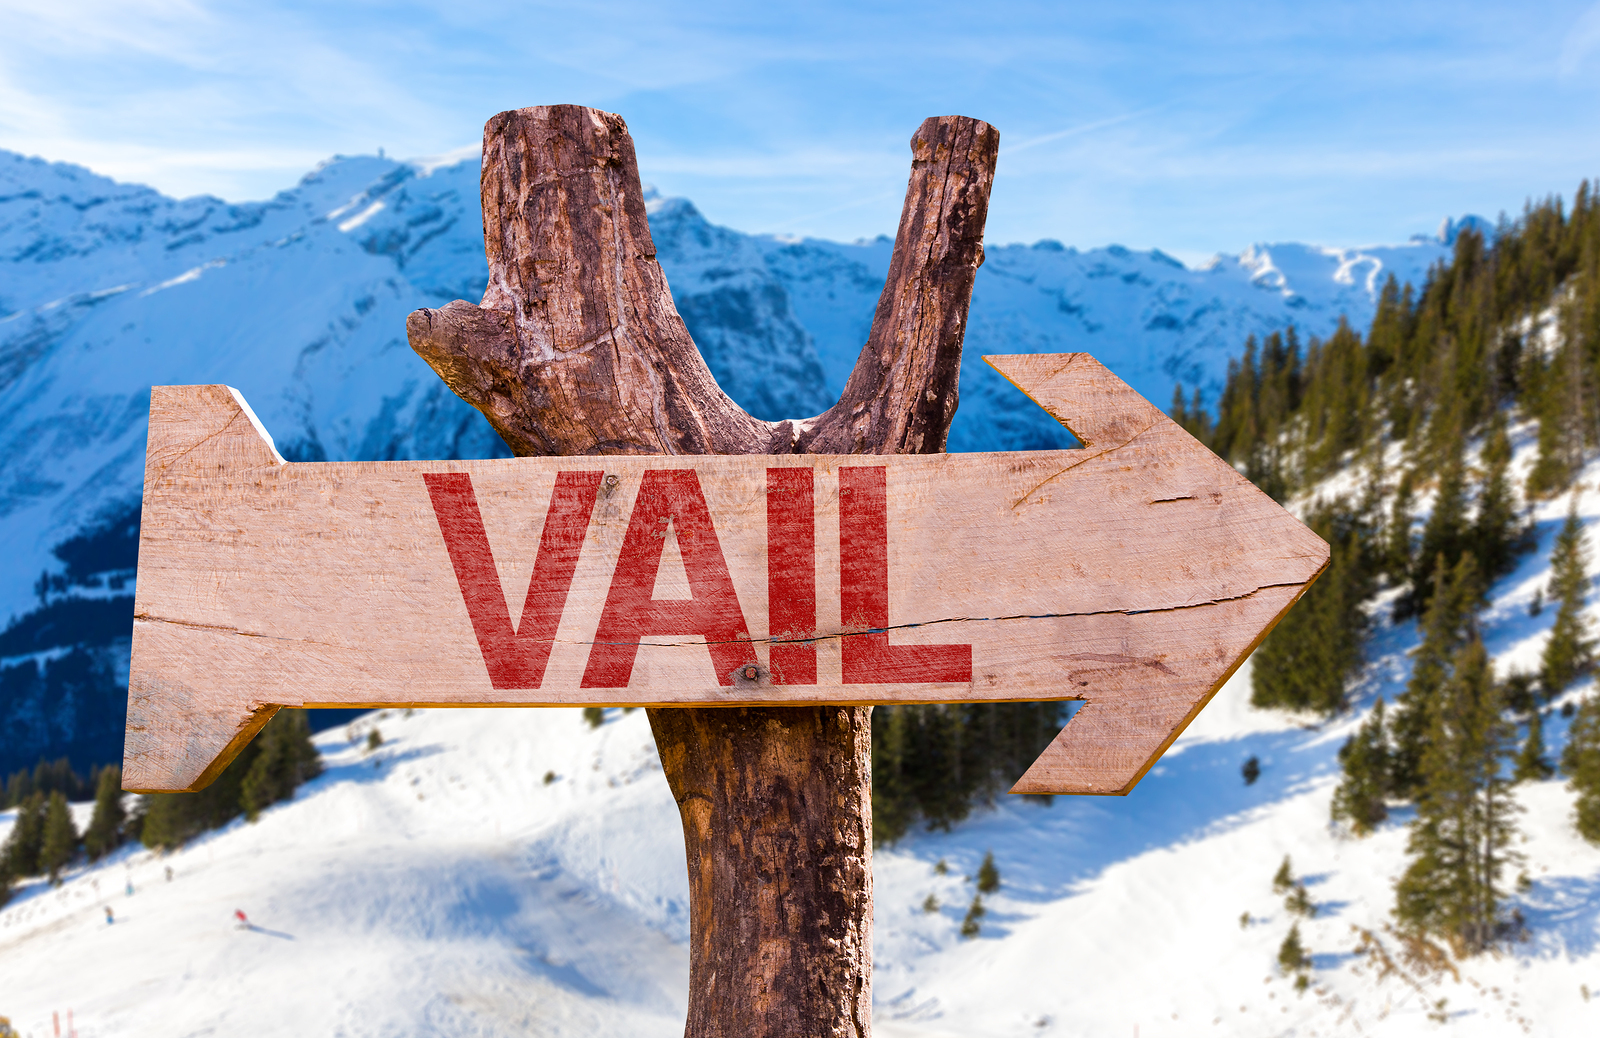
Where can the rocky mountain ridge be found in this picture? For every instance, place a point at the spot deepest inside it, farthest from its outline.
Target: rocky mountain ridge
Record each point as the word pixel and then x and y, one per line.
pixel 300 303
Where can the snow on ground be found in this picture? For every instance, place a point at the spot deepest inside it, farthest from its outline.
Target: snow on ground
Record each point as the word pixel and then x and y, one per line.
pixel 435 886
pixel 440 885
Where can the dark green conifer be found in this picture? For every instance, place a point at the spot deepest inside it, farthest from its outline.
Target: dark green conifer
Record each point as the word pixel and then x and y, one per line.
pixel 932 763
pixel 104 834
pixel 1569 653
pixel 1316 649
pixel 287 757
pixel 1283 880
pixel 1292 957
pixel 170 819
pixel 57 776
pixel 1250 770
pixel 976 911
pixel 1556 396
pixel 988 875
pixel 1460 840
pixel 60 841
pixel 1450 623
pixel 1191 416
pixel 1497 538
pixel 1532 764
pixel 1399 554
pixel 18 787
pixel 22 847
pixel 1580 763
pixel 1445 538
pixel 1361 798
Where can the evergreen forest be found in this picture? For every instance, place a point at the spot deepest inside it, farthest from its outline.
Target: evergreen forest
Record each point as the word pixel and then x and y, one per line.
pixel 45 840
pixel 1395 444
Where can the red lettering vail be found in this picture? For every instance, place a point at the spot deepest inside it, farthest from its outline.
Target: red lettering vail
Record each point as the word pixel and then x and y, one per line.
pixel 869 659
pixel 792 575
pixel 630 613
pixel 515 657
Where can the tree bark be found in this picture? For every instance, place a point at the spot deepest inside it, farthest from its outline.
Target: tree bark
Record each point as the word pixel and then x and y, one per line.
pixel 577 349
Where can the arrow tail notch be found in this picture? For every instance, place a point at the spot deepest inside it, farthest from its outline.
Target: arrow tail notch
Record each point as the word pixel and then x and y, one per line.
pixel 180 737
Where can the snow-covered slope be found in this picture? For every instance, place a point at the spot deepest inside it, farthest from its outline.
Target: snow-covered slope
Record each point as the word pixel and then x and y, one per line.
pixel 1152 320
pixel 300 303
pixel 514 872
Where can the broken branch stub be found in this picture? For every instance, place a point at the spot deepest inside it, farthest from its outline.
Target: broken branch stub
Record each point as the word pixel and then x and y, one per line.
pixel 901 396
pixel 576 347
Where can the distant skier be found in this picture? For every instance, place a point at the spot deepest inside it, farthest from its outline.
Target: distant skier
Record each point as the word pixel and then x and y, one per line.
pixel 130 888
pixel 169 873
pixel 109 917
pixel 244 924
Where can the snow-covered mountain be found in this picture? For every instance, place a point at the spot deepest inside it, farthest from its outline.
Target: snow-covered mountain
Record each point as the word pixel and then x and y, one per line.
pixel 443 885
pixel 300 303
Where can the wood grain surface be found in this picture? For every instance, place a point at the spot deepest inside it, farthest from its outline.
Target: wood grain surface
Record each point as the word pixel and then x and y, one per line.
pixel 1134 573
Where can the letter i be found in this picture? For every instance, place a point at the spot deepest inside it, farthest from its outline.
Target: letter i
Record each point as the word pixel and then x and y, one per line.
pixel 792 575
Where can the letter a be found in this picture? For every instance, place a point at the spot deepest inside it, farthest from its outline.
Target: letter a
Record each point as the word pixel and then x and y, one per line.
pixel 515 657
pixel 630 613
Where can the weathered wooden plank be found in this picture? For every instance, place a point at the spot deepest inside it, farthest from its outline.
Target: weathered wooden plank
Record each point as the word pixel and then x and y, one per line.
pixel 1134 573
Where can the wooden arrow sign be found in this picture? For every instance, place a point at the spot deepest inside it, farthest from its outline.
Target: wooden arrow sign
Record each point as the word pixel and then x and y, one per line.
pixel 1134 573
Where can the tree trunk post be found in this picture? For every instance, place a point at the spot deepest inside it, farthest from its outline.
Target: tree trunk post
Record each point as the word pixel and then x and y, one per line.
pixel 577 349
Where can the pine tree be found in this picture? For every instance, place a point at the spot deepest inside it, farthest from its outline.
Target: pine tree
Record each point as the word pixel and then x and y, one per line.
pixel 1283 880
pixel 1316 649
pixel 22 847
pixel 1580 763
pixel 171 819
pixel 932 763
pixel 988 875
pixel 1361 798
pixel 18 787
pixel 287 758
pixel 1292 957
pixel 1399 548
pixel 1450 623
pixel 976 911
pixel 1461 836
pixel 1496 536
pixel 1569 652
pixel 1532 764
pixel 104 834
pixel 60 840
pixel 1445 538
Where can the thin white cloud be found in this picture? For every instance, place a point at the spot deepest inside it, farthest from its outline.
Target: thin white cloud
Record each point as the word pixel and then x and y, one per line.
pixel 1581 41
pixel 1075 131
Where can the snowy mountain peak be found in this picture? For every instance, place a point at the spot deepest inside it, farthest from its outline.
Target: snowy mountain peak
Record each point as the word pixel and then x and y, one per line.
pixel 300 302
pixel 1450 230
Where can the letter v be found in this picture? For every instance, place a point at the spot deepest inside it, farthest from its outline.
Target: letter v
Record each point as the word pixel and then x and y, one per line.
pixel 515 658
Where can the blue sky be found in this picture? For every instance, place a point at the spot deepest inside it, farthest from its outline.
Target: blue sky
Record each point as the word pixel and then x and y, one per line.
pixel 1192 127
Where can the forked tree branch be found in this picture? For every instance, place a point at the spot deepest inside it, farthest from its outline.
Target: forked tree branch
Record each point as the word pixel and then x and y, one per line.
pixel 577 349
